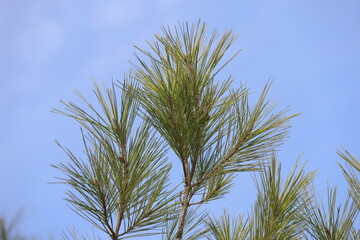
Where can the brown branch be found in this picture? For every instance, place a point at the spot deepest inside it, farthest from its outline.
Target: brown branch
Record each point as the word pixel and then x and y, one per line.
pixel 105 218
pixel 185 204
pixel 328 233
pixel 197 203
pixel 123 159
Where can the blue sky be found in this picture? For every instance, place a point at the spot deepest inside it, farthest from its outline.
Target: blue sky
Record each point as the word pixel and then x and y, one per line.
pixel 49 48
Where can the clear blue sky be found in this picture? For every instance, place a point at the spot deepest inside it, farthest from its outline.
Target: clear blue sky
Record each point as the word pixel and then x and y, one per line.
pixel 49 48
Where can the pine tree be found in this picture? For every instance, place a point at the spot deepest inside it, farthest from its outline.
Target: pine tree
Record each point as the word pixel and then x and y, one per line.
pixel 174 101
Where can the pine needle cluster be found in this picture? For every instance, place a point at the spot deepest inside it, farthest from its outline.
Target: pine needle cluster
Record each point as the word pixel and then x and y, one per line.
pixel 174 99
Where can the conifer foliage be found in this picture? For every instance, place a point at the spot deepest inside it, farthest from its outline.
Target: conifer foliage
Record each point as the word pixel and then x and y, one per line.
pixel 176 99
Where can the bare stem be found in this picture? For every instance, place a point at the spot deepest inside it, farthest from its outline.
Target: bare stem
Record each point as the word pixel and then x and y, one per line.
pixel 185 204
pixel 123 159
